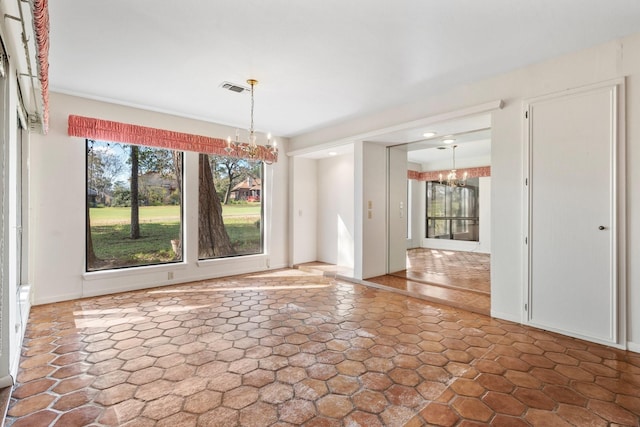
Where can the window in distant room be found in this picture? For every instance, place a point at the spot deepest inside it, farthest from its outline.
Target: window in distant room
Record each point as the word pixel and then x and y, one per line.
pixel 134 205
pixel 231 201
pixel 452 212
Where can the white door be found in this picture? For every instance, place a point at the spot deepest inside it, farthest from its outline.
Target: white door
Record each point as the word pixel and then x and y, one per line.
pixel 572 149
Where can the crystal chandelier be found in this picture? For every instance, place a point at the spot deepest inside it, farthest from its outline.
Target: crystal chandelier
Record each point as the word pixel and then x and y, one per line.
pixel 251 148
pixel 452 177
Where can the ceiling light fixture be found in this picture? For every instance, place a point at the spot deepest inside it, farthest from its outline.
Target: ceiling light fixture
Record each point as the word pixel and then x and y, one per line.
pixel 251 148
pixel 333 153
pixel 429 134
pixel 452 177
pixel 448 140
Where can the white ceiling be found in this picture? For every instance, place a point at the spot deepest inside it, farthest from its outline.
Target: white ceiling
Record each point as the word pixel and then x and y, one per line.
pixel 473 149
pixel 319 62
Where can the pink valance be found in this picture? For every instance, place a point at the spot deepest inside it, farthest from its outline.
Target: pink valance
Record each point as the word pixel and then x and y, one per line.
pixel 41 26
pixel 106 130
pixel 435 175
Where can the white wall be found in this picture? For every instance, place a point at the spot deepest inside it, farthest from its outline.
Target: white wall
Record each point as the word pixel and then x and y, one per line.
pixel 416 199
pixel 484 201
pixel 335 177
pixel 631 67
pixel 370 210
pixel 303 188
pixel 58 209
pixel 615 59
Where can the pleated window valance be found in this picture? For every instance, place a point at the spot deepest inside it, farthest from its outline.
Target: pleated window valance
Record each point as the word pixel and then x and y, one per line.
pixel 435 175
pixel 106 130
pixel 41 27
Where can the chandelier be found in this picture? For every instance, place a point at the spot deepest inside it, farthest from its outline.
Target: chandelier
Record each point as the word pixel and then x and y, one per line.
pixel 452 177
pixel 250 148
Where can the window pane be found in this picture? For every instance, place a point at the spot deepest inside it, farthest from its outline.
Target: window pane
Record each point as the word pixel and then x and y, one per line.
pixel 436 201
pixel 437 228
pixel 230 207
pixel 134 205
pixel 452 212
pixel 463 229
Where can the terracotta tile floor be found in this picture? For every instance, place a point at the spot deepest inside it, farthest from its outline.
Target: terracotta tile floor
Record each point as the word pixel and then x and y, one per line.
pixel 455 278
pixel 290 348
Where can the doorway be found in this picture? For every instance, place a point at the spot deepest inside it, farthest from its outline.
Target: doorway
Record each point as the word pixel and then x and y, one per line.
pixel 447 247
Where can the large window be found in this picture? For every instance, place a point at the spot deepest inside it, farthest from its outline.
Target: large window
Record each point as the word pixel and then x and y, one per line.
pixel 230 207
pixel 452 212
pixel 134 205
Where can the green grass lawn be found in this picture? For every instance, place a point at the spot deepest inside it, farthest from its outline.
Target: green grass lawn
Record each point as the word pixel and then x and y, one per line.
pixel 105 216
pixel 112 245
pixel 110 228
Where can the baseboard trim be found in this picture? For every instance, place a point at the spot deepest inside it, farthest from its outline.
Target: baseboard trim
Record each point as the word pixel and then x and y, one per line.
pixel 505 316
pixel 57 298
pixel 632 346
pixel 89 291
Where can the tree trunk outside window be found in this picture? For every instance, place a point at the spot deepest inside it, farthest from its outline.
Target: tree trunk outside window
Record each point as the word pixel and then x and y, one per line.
pixel 135 218
pixel 213 238
pixel 91 255
pixel 177 166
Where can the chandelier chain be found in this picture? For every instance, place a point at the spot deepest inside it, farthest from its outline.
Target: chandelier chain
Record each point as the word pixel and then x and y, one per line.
pixel 454 157
pixel 250 148
pixel 452 177
pixel 252 101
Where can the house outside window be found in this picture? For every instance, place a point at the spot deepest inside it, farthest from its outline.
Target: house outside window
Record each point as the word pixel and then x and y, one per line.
pixel 248 190
pixel 230 218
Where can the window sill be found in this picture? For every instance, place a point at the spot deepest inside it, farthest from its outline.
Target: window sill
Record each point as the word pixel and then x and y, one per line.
pixel 231 260
pixel 129 271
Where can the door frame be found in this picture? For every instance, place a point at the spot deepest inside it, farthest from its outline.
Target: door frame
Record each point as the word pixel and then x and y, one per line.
pixel 619 196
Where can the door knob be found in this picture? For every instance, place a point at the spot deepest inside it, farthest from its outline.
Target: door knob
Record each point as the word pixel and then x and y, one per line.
pixel 602 227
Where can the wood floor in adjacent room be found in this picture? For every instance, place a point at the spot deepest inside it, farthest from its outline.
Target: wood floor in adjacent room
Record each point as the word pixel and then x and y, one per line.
pixel 456 278
pixel 291 348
